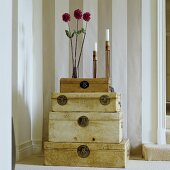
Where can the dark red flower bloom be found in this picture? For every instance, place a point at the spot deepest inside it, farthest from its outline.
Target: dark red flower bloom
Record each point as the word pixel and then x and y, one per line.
pixel 66 17
pixel 86 16
pixel 78 14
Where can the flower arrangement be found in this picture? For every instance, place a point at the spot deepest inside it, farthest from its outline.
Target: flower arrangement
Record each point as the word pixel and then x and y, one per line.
pixel 78 15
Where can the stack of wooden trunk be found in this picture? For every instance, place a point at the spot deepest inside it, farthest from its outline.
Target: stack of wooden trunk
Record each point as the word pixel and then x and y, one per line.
pixel 85 126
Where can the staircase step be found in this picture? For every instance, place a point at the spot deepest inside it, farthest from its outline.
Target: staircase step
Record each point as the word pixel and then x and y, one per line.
pixel 168 122
pixel 168 136
pixel 153 152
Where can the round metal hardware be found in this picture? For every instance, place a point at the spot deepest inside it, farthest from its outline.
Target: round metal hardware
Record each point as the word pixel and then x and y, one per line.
pixel 120 104
pixel 83 151
pixel 83 121
pixel 84 84
pixel 104 100
pixel 62 100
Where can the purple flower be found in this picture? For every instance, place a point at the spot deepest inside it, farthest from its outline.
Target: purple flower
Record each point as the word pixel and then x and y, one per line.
pixel 66 17
pixel 78 14
pixel 86 16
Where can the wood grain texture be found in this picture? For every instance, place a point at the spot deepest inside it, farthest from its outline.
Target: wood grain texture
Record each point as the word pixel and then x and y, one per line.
pixel 90 80
pixel 101 154
pixel 70 88
pixel 102 127
pixel 86 102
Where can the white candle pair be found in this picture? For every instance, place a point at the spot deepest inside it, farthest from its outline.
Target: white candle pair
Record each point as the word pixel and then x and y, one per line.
pixel 107 39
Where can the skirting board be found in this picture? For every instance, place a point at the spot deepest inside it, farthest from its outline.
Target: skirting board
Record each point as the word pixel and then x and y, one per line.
pixel 154 152
pixel 27 149
pixel 36 146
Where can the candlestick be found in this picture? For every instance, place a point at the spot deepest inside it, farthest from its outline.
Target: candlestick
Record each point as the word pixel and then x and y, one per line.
pixel 94 64
pixel 107 34
pixel 107 55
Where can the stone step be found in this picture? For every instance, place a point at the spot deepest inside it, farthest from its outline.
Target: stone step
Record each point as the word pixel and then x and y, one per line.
pixel 168 136
pixel 153 152
pixel 168 122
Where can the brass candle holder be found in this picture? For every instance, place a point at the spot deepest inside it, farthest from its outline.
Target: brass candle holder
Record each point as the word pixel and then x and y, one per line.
pixel 107 55
pixel 94 64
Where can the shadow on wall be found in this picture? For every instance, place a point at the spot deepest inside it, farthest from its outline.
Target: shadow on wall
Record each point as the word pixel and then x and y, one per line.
pixel 22 126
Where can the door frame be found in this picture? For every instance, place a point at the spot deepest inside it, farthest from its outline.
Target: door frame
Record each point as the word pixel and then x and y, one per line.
pixel 161 71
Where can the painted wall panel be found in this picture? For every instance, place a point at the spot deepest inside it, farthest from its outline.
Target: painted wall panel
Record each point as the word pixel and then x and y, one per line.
pixel 91 38
pixel 104 22
pixel 61 43
pixel 6 83
pixel 149 71
pixel 119 54
pixel 49 82
pixel 134 75
pixel 37 93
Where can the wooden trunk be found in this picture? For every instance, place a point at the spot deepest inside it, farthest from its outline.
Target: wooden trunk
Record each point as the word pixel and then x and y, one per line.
pixel 86 154
pixel 86 102
pixel 85 127
pixel 85 85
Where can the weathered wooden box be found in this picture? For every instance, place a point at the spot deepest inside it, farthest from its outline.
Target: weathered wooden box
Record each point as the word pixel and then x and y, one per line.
pixel 85 85
pixel 86 102
pixel 86 154
pixel 85 127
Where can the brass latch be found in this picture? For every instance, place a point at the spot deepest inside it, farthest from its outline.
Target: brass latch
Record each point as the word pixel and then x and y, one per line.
pixel 83 121
pixel 62 100
pixel 84 84
pixel 83 151
pixel 105 100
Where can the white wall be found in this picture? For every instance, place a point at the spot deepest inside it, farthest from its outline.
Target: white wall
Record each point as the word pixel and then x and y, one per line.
pixel 168 50
pixel 119 54
pixel 22 115
pixel 91 37
pixel 149 71
pixel 61 40
pixel 37 87
pixel 6 83
pixel 49 82
pixel 104 22
pixel 27 77
pixel 134 75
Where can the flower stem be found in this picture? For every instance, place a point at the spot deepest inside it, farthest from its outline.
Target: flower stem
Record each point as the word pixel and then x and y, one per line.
pixel 71 43
pixel 76 45
pixel 82 47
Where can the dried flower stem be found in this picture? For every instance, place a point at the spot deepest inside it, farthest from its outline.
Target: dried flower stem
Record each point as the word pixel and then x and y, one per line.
pixel 76 45
pixel 71 43
pixel 82 47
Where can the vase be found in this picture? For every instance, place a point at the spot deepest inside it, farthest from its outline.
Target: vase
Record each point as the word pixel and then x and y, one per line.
pixel 74 74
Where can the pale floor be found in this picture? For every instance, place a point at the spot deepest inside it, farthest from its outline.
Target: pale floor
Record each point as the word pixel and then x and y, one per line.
pixel 35 162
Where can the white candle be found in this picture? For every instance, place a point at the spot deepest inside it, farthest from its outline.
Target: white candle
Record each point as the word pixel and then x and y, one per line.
pixel 107 34
pixel 95 46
